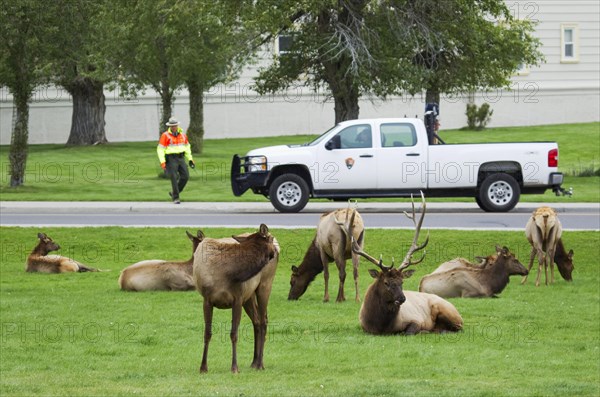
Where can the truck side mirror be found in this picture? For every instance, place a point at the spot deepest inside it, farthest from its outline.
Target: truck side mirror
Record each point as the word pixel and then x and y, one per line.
pixel 333 143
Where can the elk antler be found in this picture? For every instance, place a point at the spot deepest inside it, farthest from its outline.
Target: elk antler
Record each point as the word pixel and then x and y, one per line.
pixel 347 227
pixel 414 247
pixel 378 263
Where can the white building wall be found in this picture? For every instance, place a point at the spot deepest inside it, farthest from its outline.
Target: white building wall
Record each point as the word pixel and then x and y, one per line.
pixel 552 93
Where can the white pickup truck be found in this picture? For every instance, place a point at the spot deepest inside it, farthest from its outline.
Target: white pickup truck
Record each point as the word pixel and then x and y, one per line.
pixel 367 158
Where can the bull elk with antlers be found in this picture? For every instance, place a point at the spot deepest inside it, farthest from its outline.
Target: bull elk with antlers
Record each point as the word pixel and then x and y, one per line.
pixel 331 243
pixel 387 309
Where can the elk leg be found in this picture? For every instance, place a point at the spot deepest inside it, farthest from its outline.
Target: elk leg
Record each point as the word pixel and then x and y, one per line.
pixel 412 329
pixel 236 316
pixel 252 311
pixel 355 261
pixel 540 262
pixel 262 298
pixel 325 262
pixel 341 265
pixel 531 258
pixel 550 259
pixel 208 312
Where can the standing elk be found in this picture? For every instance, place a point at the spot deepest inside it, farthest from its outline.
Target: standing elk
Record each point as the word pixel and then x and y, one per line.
pixel 387 309
pixel 160 275
pixel 40 261
pixel 331 243
pixel 543 230
pixel 231 274
pixel 460 278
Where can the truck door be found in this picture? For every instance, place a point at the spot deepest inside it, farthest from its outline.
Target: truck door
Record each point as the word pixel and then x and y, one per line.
pixel 402 157
pixel 346 161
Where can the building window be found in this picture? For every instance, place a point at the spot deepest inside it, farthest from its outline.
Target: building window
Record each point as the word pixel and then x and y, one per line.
pixel 569 40
pixel 284 43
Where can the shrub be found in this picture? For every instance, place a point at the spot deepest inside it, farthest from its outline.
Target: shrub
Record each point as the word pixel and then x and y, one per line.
pixel 478 118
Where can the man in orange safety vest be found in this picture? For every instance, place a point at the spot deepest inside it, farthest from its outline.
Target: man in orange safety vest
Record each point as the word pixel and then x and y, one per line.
pixel 174 154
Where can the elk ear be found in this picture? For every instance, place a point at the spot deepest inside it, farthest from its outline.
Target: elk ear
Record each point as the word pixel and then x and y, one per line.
pixel 294 269
pixel 41 235
pixel 570 254
pixel 374 273
pixel 240 239
pixel 408 273
pixel 200 235
pixel 190 235
pixel 498 249
pixel 264 230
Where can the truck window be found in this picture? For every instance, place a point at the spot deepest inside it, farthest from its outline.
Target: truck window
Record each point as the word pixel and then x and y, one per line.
pixel 398 135
pixel 356 136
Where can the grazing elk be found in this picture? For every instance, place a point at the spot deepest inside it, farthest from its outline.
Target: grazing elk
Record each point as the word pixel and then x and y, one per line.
pixel 331 243
pixel 543 230
pixel 564 261
pixel 460 278
pixel 387 309
pixel 160 275
pixel 235 274
pixel 40 261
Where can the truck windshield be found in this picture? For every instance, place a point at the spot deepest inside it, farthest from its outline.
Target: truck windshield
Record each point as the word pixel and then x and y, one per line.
pixel 319 138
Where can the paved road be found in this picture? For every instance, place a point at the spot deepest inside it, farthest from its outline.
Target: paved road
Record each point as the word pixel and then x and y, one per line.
pixel 574 216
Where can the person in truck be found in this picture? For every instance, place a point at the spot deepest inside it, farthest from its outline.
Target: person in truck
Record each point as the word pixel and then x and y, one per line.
pixel 174 154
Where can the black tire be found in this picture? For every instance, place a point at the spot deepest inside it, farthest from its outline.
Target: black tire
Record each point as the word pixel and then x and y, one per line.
pixel 289 193
pixel 498 193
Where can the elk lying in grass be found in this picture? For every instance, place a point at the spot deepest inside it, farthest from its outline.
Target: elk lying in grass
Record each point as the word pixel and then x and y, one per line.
pixel 40 261
pixel 157 275
pixel 387 309
pixel 235 274
pixel 543 230
pixel 460 278
pixel 331 243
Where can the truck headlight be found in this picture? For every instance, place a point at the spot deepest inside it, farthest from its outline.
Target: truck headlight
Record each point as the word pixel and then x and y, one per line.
pixel 257 163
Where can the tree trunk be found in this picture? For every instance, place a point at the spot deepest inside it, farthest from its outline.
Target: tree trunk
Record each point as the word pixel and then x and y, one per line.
pixel 166 98
pixel 432 95
pixel 87 122
pixel 195 130
pixel 18 142
pixel 346 104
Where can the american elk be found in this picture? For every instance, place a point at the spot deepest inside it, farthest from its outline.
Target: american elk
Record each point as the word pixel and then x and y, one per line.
pixel 564 261
pixel 40 261
pixel 231 274
pixel 543 230
pixel 157 275
pixel 387 309
pixel 460 278
pixel 331 243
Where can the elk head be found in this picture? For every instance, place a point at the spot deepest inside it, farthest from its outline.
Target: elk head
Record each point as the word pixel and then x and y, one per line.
pixel 389 281
pixel 47 244
pixel 511 263
pixel 196 240
pixel 297 288
pixel 262 237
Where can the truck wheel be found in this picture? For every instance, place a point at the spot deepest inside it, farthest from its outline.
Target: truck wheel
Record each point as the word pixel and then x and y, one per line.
pixel 288 193
pixel 498 193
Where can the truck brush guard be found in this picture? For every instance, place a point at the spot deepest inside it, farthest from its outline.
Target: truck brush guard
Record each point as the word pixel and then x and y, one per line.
pixel 247 172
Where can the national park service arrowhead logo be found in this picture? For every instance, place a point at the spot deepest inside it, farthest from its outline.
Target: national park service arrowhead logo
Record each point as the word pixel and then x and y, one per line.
pixel 349 162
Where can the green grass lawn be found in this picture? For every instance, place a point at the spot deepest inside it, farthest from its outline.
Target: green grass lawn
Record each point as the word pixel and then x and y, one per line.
pixel 78 334
pixel 130 171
